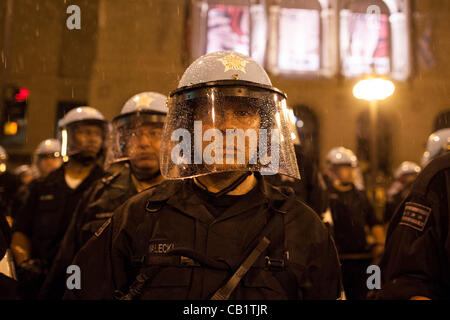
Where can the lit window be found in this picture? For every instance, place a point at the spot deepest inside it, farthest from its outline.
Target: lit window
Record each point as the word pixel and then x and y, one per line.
pixel 374 36
pixel 239 26
pixel 295 37
pixel 299 50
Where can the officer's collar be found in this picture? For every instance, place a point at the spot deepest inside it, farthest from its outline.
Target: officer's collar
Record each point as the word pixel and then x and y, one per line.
pixel 190 204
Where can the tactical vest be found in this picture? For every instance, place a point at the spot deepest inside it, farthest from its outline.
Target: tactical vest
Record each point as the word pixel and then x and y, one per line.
pixel 274 260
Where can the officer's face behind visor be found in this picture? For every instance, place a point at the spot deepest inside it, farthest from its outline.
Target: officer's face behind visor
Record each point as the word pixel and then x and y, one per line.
pixel 227 128
pixel 345 173
pixel 48 163
pixel 144 145
pixel 87 139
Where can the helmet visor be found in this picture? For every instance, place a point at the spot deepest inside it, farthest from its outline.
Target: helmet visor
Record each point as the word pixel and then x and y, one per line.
pixel 232 127
pixel 136 136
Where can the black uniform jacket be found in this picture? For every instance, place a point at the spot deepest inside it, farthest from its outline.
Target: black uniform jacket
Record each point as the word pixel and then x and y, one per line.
pixel 351 212
pixel 144 234
pixel 95 207
pixel 48 210
pixel 417 255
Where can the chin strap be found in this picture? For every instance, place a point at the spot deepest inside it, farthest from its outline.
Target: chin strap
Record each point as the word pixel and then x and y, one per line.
pixel 230 187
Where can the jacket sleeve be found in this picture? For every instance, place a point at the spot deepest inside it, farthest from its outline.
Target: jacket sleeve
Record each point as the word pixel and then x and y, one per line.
pixel 94 261
pixel 103 260
pixel 416 261
pixel 54 285
pixel 313 258
pixel 25 216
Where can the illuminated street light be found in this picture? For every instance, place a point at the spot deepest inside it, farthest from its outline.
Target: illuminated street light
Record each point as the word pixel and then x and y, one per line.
pixel 374 89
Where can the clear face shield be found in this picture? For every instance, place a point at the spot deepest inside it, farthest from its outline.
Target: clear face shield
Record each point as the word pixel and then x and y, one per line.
pixel 136 137
pixel 87 138
pixel 227 126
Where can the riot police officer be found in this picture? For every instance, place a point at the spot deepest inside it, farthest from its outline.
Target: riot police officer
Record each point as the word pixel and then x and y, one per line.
pixel 311 187
pixel 350 215
pixel 404 177
pixel 46 214
pixel 437 144
pixel 416 264
pixel 9 184
pixel 186 239
pixel 8 283
pixel 47 157
pixel 133 165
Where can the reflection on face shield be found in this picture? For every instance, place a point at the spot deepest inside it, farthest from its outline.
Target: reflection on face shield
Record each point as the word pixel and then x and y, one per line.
pixel 227 129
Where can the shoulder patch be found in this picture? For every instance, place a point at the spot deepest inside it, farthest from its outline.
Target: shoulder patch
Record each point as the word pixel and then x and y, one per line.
pixel 102 228
pixel 415 215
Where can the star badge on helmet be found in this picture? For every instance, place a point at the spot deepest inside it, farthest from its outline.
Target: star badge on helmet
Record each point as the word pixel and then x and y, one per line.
pixel 143 101
pixel 232 62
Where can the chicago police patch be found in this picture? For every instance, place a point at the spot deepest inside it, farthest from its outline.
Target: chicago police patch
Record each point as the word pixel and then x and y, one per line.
pixel 415 215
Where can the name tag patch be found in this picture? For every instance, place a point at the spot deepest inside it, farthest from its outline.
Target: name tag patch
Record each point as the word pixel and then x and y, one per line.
pixel 415 216
pixel 160 246
pixel 46 197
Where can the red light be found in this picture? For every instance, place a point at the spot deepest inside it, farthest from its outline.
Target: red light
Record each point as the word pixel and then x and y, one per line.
pixel 22 95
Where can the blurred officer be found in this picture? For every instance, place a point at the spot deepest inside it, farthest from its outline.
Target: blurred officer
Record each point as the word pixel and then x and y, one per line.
pixel 9 184
pixel 350 215
pixel 310 188
pixel 47 157
pixel 45 216
pixel 25 174
pixel 133 167
pixel 404 177
pixel 185 239
pixel 416 263
pixel 437 144
pixel 8 284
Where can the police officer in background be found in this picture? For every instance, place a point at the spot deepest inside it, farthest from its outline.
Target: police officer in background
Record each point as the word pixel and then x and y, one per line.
pixel 8 285
pixel 404 177
pixel 25 173
pixel 133 163
pixel 44 218
pixel 353 220
pixel 186 239
pixel 311 187
pixel 9 184
pixel 47 157
pixel 416 264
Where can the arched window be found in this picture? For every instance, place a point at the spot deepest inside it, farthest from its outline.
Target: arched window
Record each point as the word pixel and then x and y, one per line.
pixel 237 25
pixel 295 37
pixel 374 33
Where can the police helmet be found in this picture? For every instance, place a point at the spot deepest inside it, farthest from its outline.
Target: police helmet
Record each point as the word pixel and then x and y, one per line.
pixel 226 91
pixel 80 115
pixel 143 108
pixel 406 167
pixel 341 156
pixel 3 154
pixel 438 143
